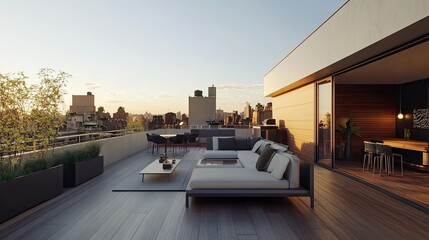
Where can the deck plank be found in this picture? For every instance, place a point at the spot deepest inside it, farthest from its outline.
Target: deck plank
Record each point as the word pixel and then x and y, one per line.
pixel 344 209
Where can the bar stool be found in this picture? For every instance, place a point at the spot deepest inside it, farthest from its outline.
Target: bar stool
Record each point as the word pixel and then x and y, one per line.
pixel 388 153
pixel 370 153
pixel 382 152
pixel 389 158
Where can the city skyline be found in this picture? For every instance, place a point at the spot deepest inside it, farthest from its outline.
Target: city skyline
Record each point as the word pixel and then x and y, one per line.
pixel 150 56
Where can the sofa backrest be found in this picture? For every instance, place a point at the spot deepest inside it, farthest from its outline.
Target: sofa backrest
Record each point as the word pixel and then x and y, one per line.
pixel 205 135
pixel 241 143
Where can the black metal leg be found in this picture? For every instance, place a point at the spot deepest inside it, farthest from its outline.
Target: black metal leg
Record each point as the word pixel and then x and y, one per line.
pixel 187 201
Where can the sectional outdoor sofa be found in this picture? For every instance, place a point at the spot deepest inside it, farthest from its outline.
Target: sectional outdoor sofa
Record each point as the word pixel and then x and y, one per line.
pixel 283 175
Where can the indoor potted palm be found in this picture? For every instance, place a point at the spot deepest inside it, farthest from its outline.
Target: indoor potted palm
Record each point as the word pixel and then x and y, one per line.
pixel 348 130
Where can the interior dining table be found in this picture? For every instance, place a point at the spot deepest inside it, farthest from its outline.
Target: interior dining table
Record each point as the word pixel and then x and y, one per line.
pixel 413 145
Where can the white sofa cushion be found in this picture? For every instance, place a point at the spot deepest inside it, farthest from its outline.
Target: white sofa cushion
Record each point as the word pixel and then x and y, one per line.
pixel 292 171
pixel 220 154
pixel 278 165
pixel 234 178
pixel 248 159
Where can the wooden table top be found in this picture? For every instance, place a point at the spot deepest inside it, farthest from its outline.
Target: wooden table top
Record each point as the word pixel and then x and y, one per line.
pixel 415 145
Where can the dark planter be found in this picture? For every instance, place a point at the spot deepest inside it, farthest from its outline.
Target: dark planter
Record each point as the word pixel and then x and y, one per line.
pixel 81 172
pixel 25 192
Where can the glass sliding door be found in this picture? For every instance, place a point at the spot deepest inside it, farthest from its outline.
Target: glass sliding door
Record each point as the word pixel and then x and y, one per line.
pixel 324 122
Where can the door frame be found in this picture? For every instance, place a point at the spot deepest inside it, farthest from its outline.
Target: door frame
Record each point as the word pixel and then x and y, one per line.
pixel 332 122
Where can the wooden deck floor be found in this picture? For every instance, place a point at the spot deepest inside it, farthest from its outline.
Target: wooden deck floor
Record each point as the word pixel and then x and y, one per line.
pixel 344 209
pixel 414 185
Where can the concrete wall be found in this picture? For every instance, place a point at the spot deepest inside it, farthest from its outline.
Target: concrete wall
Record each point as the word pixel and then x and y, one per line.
pixel 243 132
pixel 115 149
pixel 118 148
pixel 351 35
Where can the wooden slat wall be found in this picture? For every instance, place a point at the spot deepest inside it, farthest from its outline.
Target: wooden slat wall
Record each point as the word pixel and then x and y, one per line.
pixel 295 111
pixel 374 110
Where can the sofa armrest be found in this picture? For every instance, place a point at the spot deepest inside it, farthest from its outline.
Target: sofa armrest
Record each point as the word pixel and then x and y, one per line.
pixel 210 143
pixel 306 178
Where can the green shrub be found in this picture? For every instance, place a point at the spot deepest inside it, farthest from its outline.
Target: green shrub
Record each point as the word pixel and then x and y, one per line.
pixel 8 171
pixel 92 149
pixel 86 152
pixel 13 170
pixel 35 165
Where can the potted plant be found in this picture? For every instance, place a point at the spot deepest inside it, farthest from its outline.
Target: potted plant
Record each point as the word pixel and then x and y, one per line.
pixel 348 130
pixel 26 185
pixel 82 164
pixel 29 123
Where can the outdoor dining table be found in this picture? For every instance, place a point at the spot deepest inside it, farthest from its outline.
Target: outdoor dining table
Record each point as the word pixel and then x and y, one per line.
pixel 167 137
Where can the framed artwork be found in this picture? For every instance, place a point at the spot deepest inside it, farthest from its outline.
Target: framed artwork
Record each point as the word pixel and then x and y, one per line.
pixel 421 118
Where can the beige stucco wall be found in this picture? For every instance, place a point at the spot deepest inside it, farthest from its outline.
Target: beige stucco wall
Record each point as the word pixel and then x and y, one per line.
pixel 354 27
pixel 201 109
pixel 295 111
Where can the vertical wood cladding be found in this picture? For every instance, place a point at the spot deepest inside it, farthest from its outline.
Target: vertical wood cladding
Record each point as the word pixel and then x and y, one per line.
pixel 374 109
pixel 295 111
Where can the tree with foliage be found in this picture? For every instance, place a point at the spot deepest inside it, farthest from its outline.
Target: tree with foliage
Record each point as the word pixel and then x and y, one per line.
pixel 45 114
pixel 14 105
pixel 29 114
pixel 135 124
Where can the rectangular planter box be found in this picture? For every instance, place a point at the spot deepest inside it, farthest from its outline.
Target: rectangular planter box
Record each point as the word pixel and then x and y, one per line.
pixel 25 192
pixel 81 172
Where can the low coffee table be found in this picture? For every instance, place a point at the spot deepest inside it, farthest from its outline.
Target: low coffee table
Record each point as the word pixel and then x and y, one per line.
pixel 156 168
pixel 219 163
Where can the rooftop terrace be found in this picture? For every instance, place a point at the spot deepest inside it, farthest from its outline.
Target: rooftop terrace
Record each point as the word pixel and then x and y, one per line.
pixel 344 209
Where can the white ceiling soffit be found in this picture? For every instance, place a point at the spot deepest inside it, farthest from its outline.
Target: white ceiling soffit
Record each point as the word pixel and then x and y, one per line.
pixel 406 66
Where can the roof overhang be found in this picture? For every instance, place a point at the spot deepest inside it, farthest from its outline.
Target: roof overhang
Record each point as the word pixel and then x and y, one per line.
pixel 360 30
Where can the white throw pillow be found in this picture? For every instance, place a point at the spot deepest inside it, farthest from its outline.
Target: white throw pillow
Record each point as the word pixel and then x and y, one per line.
pixel 292 172
pixel 280 163
pixel 256 146
pixel 273 163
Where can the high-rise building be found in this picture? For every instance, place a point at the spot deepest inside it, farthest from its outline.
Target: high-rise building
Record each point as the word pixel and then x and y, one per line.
pixel 83 103
pixel 220 114
pixel 247 111
pixel 202 110
pixel 82 112
pixel 258 114
pixel 170 118
pixel 120 118
pixel 268 111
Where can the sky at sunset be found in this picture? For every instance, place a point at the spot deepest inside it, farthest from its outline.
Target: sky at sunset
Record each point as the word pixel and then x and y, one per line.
pixel 151 55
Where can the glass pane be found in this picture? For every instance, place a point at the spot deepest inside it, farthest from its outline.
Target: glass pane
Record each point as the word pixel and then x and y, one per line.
pixel 324 123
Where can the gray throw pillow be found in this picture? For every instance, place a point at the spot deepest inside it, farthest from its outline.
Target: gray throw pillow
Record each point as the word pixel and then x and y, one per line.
pixel 264 159
pixel 226 143
pixel 262 147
